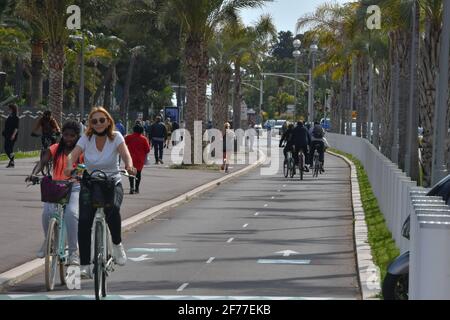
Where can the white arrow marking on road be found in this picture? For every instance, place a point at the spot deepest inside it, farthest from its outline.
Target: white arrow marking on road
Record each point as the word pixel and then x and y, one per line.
pixel 230 240
pixel 245 225
pixel 210 260
pixel 141 258
pixel 286 253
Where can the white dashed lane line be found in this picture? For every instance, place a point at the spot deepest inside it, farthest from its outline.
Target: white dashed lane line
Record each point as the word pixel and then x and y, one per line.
pixel 230 240
pixel 245 225
pixel 182 287
pixel 210 260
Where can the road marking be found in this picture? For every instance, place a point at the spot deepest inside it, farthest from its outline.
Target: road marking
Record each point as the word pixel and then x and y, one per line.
pixel 286 253
pixel 230 240
pixel 284 186
pixel 245 225
pixel 273 198
pixel 256 213
pixel 141 258
pixel 280 261
pixel 182 287
pixel 210 260
pixel 279 190
pixel 266 205
pixel 152 250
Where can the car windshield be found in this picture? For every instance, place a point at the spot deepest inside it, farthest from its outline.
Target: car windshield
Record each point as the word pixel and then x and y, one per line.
pixel 280 122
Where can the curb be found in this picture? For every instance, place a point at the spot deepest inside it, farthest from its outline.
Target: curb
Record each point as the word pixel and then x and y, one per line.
pixel 31 268
pixel 366 267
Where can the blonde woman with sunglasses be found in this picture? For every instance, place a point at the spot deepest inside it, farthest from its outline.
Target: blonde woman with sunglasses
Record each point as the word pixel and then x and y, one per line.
pixel 101 145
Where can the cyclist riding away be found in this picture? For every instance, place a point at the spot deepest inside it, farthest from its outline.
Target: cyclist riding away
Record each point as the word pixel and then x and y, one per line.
pixel 49 129
pixel 300 141
pixel 317 142
pixel 59 152
pixel 101 145
pixel 287 137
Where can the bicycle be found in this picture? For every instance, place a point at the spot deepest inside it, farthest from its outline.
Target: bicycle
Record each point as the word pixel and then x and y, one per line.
pixel 289 165
pixel 301 163
pixel 56 251
pixel 101 241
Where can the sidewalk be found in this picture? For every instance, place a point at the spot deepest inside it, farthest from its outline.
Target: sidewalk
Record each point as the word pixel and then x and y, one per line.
pixel 21 233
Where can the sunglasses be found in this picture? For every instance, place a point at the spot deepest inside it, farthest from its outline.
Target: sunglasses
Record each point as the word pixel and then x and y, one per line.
pixel 101 120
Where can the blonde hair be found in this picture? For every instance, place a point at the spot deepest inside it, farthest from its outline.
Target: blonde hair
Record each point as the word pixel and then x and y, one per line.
pixel 111 128
pixel 227 125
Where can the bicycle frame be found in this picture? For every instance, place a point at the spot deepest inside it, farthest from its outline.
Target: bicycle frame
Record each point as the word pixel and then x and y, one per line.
pixel 106 240
pixel 59 216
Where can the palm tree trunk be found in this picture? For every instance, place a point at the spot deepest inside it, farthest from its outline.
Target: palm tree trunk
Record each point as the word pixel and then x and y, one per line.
pixel 385 110
pixel 37 62
pixel 358 96
pixel 56 61
pixel 404 54
pixel 126 92
pixel 237 95
pixel 202 85
pixel 18 79
pixel 428 64
pixel 106 79
pixel 220 92
pixel 349 103
pixel 364 78
pixel 193 59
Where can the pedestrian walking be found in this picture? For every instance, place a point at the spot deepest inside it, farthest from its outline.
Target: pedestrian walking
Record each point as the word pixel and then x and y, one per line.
pixel 168 125
pixel 120 127
pixel 10 133
pixel 228 137
pixel 175 127
pixel 139 147
pixel 158 134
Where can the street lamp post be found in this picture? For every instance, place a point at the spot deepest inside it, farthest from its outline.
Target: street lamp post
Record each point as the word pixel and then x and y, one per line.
pixel 439 169
pixel 296 54
pixel 313 49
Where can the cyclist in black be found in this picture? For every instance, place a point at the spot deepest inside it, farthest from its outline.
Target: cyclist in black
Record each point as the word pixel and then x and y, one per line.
pixel 301 141
pixel 317 142
pixel 49 128
pixel 287 137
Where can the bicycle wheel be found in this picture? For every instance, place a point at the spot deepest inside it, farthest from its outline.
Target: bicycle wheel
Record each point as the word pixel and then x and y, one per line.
pixel 286 168
pixel 51 255
pixel 99 276
pixel 316 167
pixel 291 167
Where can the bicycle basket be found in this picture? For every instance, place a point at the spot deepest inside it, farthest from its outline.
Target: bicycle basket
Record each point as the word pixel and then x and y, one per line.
pixel 102 193
pixel 55 192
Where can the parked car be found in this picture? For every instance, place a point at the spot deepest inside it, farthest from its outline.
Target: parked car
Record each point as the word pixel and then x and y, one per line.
pixel 279 126
pixel 269 124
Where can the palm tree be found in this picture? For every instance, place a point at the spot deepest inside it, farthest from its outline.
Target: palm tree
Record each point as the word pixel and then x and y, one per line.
pixel 199 19
pixel 49 18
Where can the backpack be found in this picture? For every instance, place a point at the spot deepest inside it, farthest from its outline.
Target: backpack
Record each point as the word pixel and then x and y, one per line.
pixel 317 132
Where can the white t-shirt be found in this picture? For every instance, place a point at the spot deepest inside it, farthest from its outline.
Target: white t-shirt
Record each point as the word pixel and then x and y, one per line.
pixel 107 160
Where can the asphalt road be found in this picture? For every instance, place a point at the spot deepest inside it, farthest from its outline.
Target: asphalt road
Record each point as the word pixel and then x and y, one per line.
pixel 255 236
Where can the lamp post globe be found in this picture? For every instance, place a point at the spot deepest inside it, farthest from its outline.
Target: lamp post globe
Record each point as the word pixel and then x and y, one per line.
pixel 296 54
pixel 297 43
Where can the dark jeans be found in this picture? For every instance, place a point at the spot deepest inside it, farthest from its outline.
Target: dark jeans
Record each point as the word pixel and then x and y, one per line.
pixel 134 184
pixel 320 146
pixel 158 146
pixel 87 213
pixel 9 147
pixel 286 149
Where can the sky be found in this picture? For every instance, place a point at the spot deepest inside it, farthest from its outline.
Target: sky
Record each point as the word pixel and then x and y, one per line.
pixel 284 12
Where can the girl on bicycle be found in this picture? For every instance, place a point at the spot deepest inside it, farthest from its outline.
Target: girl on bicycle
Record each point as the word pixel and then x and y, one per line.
pixel 58 153
pixel 101 145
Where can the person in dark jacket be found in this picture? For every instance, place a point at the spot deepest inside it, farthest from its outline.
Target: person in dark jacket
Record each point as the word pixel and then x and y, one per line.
pixel 287 137
pixel 10 133
pixel 301 141
pixel 158 134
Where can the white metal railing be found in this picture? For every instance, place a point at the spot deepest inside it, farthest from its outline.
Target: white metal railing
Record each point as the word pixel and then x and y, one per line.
pixel 398 197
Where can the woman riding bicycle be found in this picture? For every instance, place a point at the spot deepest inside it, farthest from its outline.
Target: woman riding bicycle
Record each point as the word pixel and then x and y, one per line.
pixel 49 129
pixel 101 146
pixel 58 153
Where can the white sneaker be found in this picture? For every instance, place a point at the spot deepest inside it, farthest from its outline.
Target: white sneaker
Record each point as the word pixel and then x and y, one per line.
pixel 119 255
pixel 41 252
pixel 74 260
pixel 85 272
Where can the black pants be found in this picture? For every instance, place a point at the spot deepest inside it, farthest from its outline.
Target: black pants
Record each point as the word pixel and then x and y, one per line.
pixel 87 213
pixel 134 184
pixel 286 149
pixel 305 154
pixel 9 147
pixel 320 146
pixel 158 146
